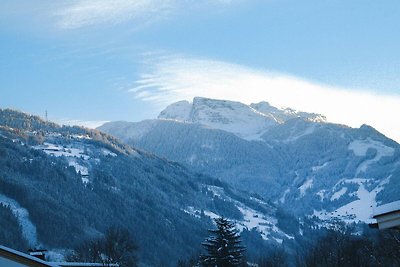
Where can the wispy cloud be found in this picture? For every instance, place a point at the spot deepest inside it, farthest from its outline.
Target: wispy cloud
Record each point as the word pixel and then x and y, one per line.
pixel 166 79
pixel 89 12
pixel 77 14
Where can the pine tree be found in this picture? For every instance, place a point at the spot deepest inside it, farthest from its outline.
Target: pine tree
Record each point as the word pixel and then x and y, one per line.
pixel 223 246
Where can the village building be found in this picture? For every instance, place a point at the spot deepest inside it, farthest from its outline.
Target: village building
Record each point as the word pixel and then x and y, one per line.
pixel 13 258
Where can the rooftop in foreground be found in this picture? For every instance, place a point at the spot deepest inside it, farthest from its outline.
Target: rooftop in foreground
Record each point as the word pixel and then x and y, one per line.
pixel 15 258
pixel 387 216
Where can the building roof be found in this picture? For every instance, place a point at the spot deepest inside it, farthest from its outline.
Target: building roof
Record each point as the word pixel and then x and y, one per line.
pixel 386 209
pixel 23 258
pixel 32 261
pixel 82 264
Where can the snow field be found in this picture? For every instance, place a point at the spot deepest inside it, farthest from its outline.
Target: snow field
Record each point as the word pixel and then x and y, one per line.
pixel 359 210
pixel 22 215
pixel 360 148
pixel 252 219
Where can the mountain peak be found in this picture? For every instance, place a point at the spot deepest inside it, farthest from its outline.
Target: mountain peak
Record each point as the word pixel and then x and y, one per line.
pixel 263 105
pixel 231 116
pixel 177 111
pixel 246 121
pixel 282 115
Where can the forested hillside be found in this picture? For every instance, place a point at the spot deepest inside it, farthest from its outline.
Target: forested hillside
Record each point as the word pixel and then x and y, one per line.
pixel 69 184
pixel 300 161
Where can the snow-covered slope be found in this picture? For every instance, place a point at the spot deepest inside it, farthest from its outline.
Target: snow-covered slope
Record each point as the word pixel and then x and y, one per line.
pixel 299 160
pixel 282 115
pixel 249 217
pixel 234 117
pixel 246 121
pixel 67 184
pixel 180 111
pixel 28 228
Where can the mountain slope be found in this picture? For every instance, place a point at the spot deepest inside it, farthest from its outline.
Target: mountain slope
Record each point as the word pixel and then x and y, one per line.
pixel 211 151
pixel 300 162
pixel 247 122
pixel 72 183
pixel 336 168
pixel 234 117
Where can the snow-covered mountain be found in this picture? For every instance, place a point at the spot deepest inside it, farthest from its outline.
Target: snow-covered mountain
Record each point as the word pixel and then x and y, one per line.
pixel 282 115
pixel 294 159
pixel 66 184
pixel 246 121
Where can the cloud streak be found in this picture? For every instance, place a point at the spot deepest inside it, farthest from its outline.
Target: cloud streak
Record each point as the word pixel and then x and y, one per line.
pixel 82 13
pixel 91 12
pixel 167 79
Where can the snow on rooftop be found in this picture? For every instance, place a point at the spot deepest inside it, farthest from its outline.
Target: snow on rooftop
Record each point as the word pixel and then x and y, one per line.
pixel 389 207
pixel 82 264
pixel 24 255
pixel 52 264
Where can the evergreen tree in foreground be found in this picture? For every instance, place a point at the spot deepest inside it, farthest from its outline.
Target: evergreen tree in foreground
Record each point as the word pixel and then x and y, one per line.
pixel 223 247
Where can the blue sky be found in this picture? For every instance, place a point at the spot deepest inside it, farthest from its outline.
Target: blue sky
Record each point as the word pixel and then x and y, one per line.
pixel 98 60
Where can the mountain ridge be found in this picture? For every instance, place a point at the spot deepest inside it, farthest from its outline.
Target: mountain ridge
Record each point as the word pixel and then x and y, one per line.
pixel 76 182
pixel 327 166
pixel 246 121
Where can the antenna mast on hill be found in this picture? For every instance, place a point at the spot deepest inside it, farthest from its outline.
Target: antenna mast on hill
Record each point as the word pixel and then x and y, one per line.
pixel 46 115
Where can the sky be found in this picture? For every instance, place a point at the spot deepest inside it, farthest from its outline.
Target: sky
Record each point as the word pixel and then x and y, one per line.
pixel 91 61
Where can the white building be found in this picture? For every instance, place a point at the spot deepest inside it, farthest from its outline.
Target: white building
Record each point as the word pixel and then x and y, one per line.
pixel 387 216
